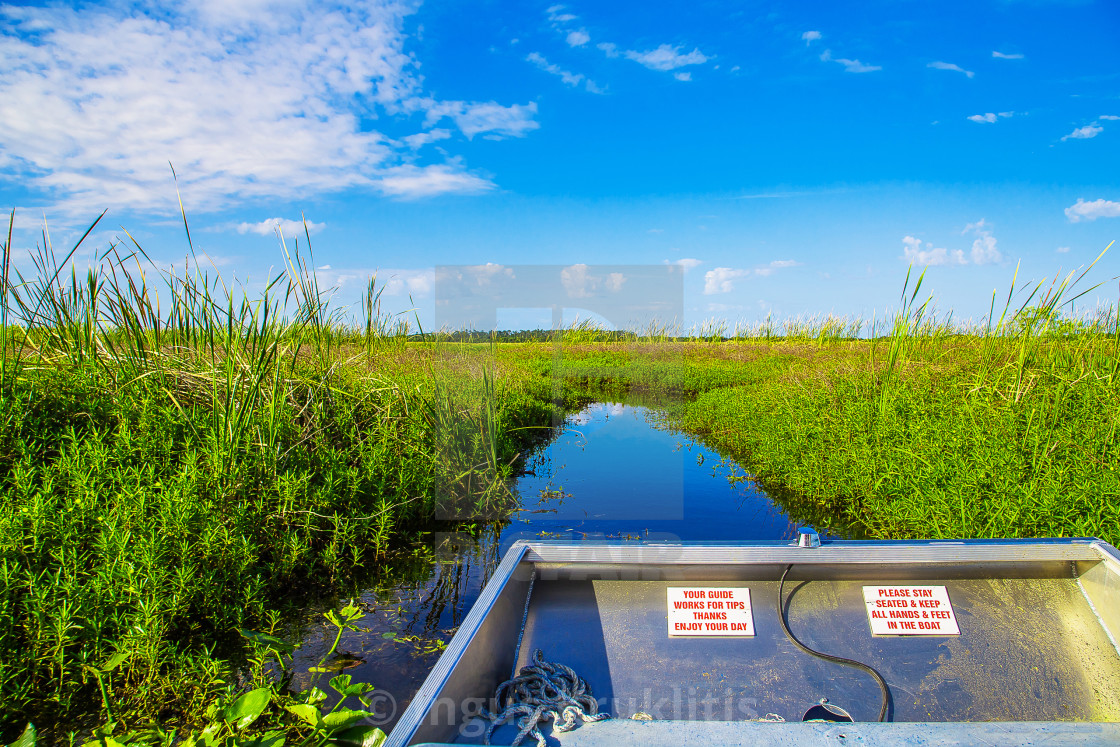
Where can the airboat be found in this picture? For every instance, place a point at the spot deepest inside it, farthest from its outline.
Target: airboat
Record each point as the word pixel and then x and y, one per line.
pixel 878 642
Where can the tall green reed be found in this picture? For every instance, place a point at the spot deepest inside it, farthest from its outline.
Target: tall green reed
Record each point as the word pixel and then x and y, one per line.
pixel 177 454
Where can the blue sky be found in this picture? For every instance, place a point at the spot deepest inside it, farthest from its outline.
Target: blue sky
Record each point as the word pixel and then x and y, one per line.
pixel 788 161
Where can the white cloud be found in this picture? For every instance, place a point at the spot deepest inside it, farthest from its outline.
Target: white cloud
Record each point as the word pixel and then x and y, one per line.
pixel 683 77
pixel 1002 56
pixel 1083 210
pixel 984 249
pixel 610 50
pixel 394 282
pixel 483 276
pixel 810 37
pixel 579 282
pixel 575 280
pixel 557 15
pixel 421 139
pixel 247 101
pixel 1109 117
pixel 491 120
pixel 288 227
pixel 667 57
pixel 1084 133
pixel 410 181
pixel 570 78
pixel 578 38
pixel 409 282
pixel 685 263
pixel 777 264
pixel 950 66
pixel 722 280
pixel 850 66
pixel 990 116
pixel 1062 250
pixel 914 254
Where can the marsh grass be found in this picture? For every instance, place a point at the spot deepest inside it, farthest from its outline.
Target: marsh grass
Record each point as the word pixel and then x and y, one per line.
pixel 179 459
pixel 934 430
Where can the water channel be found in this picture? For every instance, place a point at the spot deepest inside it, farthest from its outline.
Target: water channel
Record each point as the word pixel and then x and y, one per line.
pixel 614 471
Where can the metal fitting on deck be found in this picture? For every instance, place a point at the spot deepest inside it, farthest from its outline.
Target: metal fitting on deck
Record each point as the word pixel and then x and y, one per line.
pixel 807 537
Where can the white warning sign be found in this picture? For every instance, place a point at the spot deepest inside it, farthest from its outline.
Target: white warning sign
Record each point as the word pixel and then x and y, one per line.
pixel 910 610
pixel 703 610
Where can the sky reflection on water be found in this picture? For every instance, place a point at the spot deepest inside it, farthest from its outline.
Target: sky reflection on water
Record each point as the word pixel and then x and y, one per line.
pixel 614 472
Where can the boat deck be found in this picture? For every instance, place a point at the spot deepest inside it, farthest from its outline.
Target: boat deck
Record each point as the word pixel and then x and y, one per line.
pixel 1034 654
pixel 1029 649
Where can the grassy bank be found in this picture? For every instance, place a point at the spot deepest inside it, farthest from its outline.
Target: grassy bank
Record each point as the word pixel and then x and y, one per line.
pixel 172 475
pixel 926 430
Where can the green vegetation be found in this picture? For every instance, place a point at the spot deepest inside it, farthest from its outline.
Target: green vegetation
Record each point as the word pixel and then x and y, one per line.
pixel 923 431
pixel 179 467
pixel 1011 433
pixel 171 475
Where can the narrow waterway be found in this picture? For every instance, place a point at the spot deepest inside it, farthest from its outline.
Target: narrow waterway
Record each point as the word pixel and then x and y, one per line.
pixel 614 472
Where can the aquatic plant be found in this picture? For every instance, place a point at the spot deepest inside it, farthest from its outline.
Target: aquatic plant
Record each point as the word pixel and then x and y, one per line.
pixel 177 462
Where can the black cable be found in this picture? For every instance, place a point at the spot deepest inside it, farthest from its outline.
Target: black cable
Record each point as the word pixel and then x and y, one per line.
pixel 829 657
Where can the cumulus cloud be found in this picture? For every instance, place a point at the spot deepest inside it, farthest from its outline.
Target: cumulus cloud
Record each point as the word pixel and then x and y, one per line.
pixel 915 254
pixel 580 282
pixel 810 37
pixel 1002 56
pixel 404 282
pixel 1083 210
pixel 722 280
pixel 667 57
pixel 685 263
pixel 578 38
pixel 950 66
pixel 1108 116
pixel 1084 133
pixel 610 50
pixel 483 276
pixel 247 100
pixel 683 77
pixel 268 226
pixel 984 250
pixel 850 66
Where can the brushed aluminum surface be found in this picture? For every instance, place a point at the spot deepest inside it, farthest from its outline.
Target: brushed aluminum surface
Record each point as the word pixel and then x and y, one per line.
pixel 1034 616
